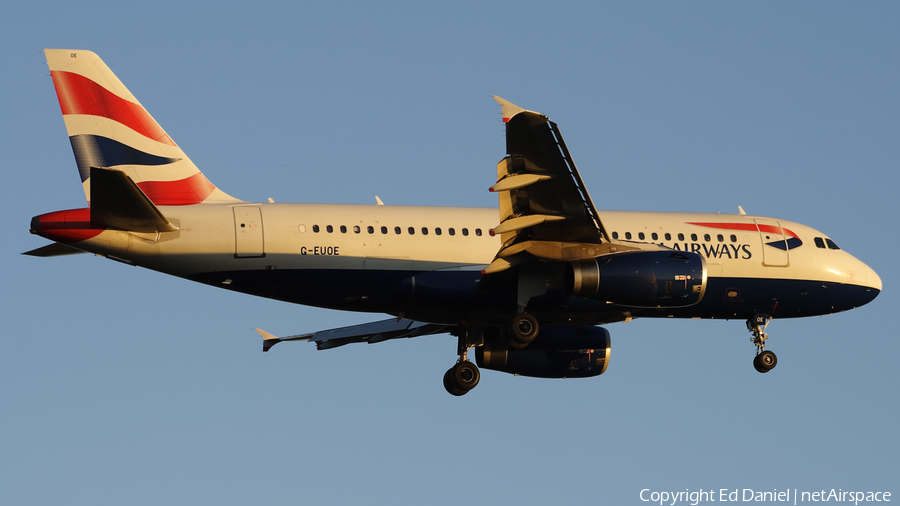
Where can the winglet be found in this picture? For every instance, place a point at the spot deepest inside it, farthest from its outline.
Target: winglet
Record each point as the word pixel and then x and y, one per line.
pixel 510 109
pixel 268 339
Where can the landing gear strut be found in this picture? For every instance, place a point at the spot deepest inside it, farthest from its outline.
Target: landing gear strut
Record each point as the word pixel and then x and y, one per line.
pixel 765 360
pixel 464 375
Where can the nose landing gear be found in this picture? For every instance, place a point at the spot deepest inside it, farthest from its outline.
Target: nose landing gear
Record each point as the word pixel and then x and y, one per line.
pixel 765 360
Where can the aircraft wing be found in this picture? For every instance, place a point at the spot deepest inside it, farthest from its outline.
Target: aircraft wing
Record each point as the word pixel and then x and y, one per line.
pixel 545 209
pixel 374 332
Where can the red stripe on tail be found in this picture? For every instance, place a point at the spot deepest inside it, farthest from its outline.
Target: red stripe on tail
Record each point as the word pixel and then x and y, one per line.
pixel 79 95
pixel 184 192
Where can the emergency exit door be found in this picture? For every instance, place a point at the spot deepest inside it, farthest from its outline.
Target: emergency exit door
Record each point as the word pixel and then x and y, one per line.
pixel 248 232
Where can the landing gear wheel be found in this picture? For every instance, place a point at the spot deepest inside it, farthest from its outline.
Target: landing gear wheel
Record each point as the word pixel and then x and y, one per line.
pixel 523 329
pixel 461 378
pixel 765 361
pixel 451 388
pixel 466 375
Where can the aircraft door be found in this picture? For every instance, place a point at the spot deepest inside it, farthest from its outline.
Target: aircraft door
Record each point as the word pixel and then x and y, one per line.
pixel 774 243
pixel 248 232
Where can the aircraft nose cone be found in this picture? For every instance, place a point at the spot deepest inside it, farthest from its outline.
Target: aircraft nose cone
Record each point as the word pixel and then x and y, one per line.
pixel 872 286
pixel 873 280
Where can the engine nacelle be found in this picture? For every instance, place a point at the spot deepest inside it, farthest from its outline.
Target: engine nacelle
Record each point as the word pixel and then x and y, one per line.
pixel 557 352
pixel 640 279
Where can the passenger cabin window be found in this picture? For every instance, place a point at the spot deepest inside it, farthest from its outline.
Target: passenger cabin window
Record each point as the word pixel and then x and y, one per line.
pixel 316 229
pixel 383 230
pixel 356 229
pixel 820 243
pixel 465 231
pixel 343 229
pixel 720 238
pixel 694 237
pixel 397 230
pixel 733 238
pixel 641 236
pixel 478 232
pixel 654 236
pixel 412 231
pixel 424 230
pixel 615 235
pixel 628 235
pixel 668 236
pixel 680 237
pixel 831 244
pixel 706 237
pixel 437 231
pixel 329 229
pixel 370 229
pixel 451 231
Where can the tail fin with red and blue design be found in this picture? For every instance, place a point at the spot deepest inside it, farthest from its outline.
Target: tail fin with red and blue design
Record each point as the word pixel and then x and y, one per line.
pixel 110 129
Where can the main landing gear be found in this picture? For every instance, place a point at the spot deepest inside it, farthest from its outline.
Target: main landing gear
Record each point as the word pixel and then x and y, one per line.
pixel 464 375
pixel 765 360
pixel 522 330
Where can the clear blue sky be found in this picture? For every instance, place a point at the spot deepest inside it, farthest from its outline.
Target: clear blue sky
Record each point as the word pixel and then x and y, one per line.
pixel 123 386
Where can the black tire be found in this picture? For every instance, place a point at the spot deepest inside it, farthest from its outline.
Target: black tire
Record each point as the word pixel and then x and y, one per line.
pixel 466 375
pixel 757 365
pixel 523 329
pixel 768 360
pixel 765 361
pixel 451 388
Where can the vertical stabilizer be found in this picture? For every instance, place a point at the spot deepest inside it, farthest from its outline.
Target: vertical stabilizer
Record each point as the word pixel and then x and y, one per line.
pixel 108 128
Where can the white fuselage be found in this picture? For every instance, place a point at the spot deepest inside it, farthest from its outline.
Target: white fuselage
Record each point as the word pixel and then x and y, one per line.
pixel 344 256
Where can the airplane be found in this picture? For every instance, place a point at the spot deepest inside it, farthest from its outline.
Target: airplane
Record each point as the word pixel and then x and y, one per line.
pixel 525 285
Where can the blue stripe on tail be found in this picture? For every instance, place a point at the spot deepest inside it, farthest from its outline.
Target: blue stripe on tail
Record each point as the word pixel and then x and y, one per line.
pixel 96 151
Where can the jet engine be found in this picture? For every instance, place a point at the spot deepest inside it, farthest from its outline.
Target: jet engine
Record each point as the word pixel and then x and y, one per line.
pixel 640 279
pixel 557 352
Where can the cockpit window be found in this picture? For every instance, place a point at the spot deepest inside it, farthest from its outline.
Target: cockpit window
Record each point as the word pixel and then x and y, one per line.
pixel 820 243
pixel 831 244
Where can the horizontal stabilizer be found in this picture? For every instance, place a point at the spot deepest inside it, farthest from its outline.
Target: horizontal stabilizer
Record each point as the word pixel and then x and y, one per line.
pixel 118 203
pixel 53 250
pixel 374 332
